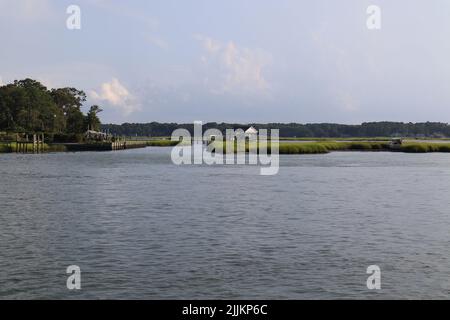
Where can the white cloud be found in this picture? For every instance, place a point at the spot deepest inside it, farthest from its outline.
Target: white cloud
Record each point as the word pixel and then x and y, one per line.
pixel 234 69
pixel 210 45
pixel 117 96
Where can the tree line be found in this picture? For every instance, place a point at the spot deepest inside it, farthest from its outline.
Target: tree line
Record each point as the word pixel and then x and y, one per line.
pixel 318 130
pixel 27 106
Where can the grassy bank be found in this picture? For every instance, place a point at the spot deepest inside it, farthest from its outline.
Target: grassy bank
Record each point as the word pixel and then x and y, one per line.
pixel 12 147
pixel 412 147
pixel 5 148
pixel 325 147
pixel 317 147
pixel 315 139
pixel 93 146
pixel 356 139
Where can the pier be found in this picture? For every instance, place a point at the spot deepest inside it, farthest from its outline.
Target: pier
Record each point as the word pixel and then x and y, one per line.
pixel 26 145
pixel 117 145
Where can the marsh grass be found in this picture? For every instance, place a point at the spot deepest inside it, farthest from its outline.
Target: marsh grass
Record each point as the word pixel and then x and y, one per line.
pixel 5 148
pixel 317 147
pixel 329 146
pixel 314 147
pixel 325 147
pixel 12 147
pixel 162 143
pixel 349 139
pixel 424 147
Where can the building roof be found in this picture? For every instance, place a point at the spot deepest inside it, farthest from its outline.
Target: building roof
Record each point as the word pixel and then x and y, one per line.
pixel 251 130
pixel 92 132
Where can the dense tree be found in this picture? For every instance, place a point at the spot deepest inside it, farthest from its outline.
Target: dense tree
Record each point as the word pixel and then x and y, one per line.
pixel 70 100
pixel 320 130
pixel 92 119
pixel 28 106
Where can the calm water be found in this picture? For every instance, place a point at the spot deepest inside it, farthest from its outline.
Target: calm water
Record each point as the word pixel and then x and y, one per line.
pixel 140 227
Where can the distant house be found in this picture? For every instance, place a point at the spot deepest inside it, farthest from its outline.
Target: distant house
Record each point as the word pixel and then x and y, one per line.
pixel 95 135
pixel 241 134
pixel 251 131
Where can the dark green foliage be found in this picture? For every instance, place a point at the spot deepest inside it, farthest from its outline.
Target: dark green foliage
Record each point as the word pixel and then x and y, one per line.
pixel 28 106
pixel 5 148
pixel 70 100
pixel 319 130
pixel 66 138
pixel 92 119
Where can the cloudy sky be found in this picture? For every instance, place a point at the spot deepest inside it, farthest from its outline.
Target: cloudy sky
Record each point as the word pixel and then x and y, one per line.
pixel 237 60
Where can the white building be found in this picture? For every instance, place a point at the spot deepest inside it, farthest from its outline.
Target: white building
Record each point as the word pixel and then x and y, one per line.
pixel 95 135
pixel 251 130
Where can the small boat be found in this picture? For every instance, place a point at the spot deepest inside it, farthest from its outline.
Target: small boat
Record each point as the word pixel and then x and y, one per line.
pixel 396 143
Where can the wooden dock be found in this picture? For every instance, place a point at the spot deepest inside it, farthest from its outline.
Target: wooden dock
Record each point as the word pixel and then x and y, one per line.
pixel 35 143
pixel 106 146
pixel 123 145
pixel 26 145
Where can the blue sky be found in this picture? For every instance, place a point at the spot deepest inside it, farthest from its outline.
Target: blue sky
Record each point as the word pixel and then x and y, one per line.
pixel 240 61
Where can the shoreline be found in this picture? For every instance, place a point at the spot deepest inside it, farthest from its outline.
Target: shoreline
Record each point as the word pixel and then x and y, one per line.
pixel 285 147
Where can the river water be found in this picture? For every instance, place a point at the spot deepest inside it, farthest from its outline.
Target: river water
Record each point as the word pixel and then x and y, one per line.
pixel 140 227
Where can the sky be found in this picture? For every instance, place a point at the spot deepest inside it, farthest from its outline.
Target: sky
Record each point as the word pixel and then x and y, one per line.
pixel 237 60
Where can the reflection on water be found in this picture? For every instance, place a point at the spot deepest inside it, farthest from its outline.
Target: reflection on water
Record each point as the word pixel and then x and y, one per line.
pixel 141 227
